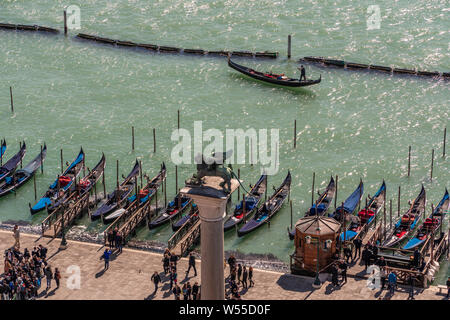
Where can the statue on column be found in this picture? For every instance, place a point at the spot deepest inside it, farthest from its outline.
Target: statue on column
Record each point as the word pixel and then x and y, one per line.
pixel 212 167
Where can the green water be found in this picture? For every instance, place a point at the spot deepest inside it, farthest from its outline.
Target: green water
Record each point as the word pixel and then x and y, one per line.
pixel 355 124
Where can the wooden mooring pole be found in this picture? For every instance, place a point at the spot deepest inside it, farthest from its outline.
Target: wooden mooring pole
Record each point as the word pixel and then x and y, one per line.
pixel 312 188
pixel 178 119
pixel 104 186
pixel 239 185
pixel 409 161
pixel 295 134
pixel 336 193
pixel 432 164
pixel 132 138
pixel 20 147
pixel 12 101
pixel 140 173
pixel 165 192
pixel 398 202
pixel 289 46
pixel 154 140
pixel 390 213
pixel 176 179
pixel 42 162
pixel 34 182
pixel 290 203
pixel 445 138
pixel 62 163
pixel 65 23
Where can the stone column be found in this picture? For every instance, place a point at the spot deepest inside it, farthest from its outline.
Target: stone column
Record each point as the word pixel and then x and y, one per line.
pixel 212 212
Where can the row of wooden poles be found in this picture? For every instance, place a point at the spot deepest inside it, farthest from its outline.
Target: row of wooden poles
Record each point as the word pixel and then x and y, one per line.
pixel 409 150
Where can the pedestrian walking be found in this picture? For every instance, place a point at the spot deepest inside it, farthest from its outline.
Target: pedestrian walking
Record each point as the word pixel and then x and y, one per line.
pixel 250 277
pixel 383 277
pixel 173 277
pixel 177 292
pixel 191 264
pixel 110 239
pixel 365 256
pixel 411 291
pixel 57 277
pixel 358 244
pixel 166 261
pixel 106 255
pixel 343 268
pixel 334 275
pixel 156 280
pixel 231 262
pixel 239 272
pixel 16 235
pixel 119 241
pixel 185 292
pixel 173 259
pixel 195 291
pixel 114 236
pixel 347 254
pixel 48 276
pixel 244 277
pixel 392 282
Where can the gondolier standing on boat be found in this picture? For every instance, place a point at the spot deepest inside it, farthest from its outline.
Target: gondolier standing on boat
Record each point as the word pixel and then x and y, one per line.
pixel 303 73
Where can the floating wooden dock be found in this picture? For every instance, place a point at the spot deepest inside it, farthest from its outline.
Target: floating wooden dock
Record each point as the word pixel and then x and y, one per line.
pixel 176 50
pixel 25 27
pixel 371 67
pixel 185 237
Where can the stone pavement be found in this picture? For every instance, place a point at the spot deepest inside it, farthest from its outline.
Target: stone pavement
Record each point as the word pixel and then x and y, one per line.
pixel 128 277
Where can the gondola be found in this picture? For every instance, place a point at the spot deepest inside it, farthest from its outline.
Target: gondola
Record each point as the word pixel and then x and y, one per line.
pixel 65 182
pixel 269 209
pixel 349 204
pixel 367 215
pixel 2 148
pixel 84 186
pixel 171 211
pixel 19 177
pixel 118 197
pixel 272 78
pixel 408 221
pixel 144 195
pixel 431 224
pixel 11 165
pixel 192 214
pixel 321 205
pixel 252 200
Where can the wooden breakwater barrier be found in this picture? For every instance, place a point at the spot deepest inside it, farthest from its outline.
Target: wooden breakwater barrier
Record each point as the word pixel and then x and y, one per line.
pixel 25 27
pixel 168 49
pixel 359 66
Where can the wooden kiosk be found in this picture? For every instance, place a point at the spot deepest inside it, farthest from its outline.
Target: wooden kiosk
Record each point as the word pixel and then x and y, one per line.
pixel 311 232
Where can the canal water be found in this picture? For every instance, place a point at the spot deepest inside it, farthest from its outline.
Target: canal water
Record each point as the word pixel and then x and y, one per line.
pixel 69 93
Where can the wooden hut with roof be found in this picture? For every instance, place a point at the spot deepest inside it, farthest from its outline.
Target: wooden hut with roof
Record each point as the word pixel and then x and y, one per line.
pixel 309 232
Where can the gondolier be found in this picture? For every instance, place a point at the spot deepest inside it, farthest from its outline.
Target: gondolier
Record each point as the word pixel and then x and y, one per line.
pixel 303 73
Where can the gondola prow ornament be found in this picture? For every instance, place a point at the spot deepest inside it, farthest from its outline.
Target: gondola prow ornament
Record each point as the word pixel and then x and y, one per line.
pixel 212 166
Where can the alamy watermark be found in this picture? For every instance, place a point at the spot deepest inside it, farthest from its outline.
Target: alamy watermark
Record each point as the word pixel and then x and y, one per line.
pixel 257 151
pixel 73 17
pixel 74 279
pixel 374 19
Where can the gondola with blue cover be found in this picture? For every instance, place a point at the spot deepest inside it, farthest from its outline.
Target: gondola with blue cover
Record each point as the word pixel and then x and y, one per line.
pixel 431 224
pixel 408 221
pixel 252 200
pixel 350 203
pixel 65 182
pixel 11 165
pixel 269 209
pixel 21 176
pixel 367 215
pixel 192 215
pixel 173 209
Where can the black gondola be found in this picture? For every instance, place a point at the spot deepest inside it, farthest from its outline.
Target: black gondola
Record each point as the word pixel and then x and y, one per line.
pixel 269 209
pixel 118 197
pixel 84 185
pixel 10 166
pixel 272 78
pixel 173 210
pixel 18 179
pixel 252 200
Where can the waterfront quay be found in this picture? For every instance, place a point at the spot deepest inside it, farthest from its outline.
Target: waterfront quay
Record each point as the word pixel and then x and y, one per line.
pixel 128 277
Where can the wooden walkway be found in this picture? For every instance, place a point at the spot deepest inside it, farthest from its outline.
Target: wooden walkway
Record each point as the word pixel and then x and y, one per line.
pixel 185 237
pixel 71 208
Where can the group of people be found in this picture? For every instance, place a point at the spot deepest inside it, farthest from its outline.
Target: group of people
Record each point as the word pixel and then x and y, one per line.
pixel 239 275
pixel 24 273
pixel 115 239
pixel 189 292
